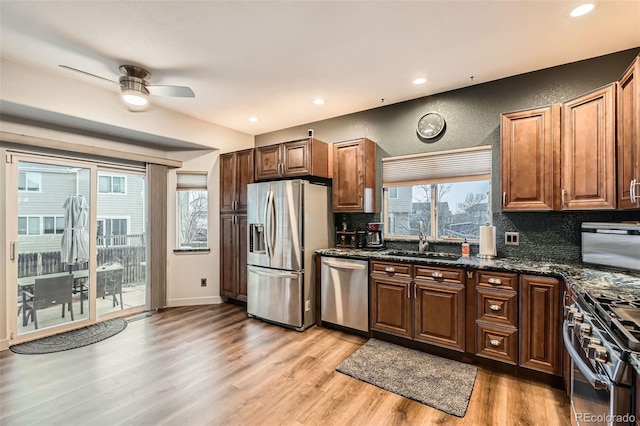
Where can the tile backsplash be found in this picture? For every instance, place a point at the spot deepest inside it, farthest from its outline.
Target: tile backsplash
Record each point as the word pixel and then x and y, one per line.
pixel 544 236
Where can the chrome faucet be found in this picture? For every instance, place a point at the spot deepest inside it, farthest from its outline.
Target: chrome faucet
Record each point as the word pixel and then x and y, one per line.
pixel 423 244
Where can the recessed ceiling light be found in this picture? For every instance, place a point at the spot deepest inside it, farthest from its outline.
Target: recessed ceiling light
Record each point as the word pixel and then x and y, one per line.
pixel 318 101
pixel 420 80
pixel 582 10
pixel 253 119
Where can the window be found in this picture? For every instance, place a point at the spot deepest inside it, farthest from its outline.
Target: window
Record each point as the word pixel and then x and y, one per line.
pixel 111 184
pixel 29 181
pixel 449 192
pixel 28 225
pixel 53 224
pixel 192 210
pixel 112 231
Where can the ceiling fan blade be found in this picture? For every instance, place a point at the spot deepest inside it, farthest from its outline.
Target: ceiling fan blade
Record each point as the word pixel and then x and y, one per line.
pixel 175 91
pixel 87 73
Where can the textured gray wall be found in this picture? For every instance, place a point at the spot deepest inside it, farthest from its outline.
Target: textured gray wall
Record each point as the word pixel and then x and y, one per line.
pixel 473 119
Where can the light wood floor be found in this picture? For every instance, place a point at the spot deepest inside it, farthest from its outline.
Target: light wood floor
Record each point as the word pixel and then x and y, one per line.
pixel 211 365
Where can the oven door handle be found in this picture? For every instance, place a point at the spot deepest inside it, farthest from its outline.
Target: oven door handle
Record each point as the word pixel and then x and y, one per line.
pixel 597 381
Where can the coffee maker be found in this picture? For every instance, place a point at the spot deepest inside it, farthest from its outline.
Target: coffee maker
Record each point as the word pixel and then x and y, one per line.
pixel 375 235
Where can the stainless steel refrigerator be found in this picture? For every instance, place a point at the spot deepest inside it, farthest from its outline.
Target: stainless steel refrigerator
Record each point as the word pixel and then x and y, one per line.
pixel 288 220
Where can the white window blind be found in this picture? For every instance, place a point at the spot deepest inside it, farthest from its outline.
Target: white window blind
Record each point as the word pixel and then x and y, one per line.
pixel 191 181
pixel 433 167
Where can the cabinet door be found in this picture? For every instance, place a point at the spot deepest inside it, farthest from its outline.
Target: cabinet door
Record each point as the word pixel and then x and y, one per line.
pixel 296 158
pixel 528 139
pixel 348 176
pixel 244 176
pixel 241 256
pixel 628 121
pixel 228 256
pixel 391 306
pixel 228 181
pixel 439 313
pixel 588 151
pixel 540 323
pixel 268 162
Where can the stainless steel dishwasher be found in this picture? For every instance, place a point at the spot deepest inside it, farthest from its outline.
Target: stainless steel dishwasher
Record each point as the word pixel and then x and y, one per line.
pixel 344 287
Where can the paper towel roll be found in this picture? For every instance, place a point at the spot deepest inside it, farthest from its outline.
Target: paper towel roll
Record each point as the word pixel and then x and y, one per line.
pixel 487 241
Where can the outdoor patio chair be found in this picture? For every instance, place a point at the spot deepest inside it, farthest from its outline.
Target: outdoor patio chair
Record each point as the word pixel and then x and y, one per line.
pixel 110 284
pixel 49 292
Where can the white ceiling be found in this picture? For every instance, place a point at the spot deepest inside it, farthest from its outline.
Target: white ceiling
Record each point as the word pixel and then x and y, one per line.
pixel 269 59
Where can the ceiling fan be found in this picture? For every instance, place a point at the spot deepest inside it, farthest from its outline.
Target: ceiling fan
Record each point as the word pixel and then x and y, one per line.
pixel 136 89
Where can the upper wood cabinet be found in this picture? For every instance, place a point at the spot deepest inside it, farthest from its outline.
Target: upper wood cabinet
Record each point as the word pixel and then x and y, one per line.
pixel 305 157
pixel 588 172
pixel 530 141
pixel 628 111
pixel 354 176
pixel 236 172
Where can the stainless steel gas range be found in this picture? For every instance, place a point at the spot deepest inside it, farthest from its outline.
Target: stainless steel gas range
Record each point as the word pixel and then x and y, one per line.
pixel 600 334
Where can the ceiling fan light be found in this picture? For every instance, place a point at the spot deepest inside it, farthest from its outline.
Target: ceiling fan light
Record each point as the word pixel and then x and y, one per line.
pixel 135 98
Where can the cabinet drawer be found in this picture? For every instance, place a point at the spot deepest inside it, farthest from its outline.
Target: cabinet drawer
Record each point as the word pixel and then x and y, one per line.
pixel 495 342
pixel 498 280
pixel 498 307
pixel 391 269
pixel 446 275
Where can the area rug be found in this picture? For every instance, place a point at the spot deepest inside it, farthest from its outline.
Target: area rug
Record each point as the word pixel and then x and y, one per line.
pixel 72 339
pixel 437 382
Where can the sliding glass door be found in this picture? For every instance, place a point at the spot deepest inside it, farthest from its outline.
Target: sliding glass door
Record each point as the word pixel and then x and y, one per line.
pixel 53 245
pixel 121 241
pixel 78 243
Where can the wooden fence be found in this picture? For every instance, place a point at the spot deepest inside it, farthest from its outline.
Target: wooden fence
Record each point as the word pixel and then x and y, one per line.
pixel 128 256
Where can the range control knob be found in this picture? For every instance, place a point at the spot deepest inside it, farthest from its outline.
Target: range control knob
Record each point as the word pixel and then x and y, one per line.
pixel 585 329
pixel 597 352
pixel 577 317
pixel 569 311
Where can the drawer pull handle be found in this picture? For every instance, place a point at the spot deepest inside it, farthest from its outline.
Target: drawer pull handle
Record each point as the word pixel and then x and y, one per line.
pixel 390 269
pixel 495 308
pixel 496 281
pixel 494 342
pixel 436 275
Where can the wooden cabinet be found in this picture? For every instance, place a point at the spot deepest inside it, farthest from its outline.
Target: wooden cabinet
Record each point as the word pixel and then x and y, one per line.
pixel 236 172
pixel 589 151
pixel 540 323
pixel 233 256
pixel 439 307
pixel 428 309
pixel 305 157
pixel 354 176
pixel 628 140
pixel 391 302
pixel 497 316
pixel 529 149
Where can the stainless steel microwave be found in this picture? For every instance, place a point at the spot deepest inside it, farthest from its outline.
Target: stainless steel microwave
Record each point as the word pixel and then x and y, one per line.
pixel 611 244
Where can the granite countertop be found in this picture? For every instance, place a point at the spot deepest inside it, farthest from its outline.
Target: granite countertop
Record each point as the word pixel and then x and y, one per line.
pixel 582 278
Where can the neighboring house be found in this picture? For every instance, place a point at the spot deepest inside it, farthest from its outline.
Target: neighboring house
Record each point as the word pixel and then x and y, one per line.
pixel 43 189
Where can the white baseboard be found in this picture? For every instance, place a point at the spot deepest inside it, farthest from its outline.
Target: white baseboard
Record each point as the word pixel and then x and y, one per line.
pixel 4 344
pixel 192 301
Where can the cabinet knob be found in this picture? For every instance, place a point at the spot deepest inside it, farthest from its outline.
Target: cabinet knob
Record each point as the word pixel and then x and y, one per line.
pixel 564 193
pixel 436 275
pixel 390 269
pixel 494 342
pixel 495 308
pixel 504 199
pixel 496 281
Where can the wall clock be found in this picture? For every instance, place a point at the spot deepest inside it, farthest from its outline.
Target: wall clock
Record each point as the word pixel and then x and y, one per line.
pixel 430 125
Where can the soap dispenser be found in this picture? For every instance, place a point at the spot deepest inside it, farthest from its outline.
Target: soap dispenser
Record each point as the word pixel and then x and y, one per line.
pixel 465 248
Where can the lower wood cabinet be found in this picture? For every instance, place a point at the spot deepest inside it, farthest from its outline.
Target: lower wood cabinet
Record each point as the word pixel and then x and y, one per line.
pixel 233 256
pixel 540 323
pixel 495 342
pixel 391 306
pixel 429 308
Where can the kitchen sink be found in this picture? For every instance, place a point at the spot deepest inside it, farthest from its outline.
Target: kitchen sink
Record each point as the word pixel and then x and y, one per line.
pixel 425 255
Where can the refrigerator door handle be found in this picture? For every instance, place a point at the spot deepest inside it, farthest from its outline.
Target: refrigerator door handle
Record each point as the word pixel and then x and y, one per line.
pixel 266 224
pixel 285 275
pixel 272 225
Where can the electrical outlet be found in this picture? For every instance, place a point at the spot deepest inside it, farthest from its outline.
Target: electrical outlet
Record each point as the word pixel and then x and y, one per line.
pixel 307 305
pixel 203 282
pixel 512 238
